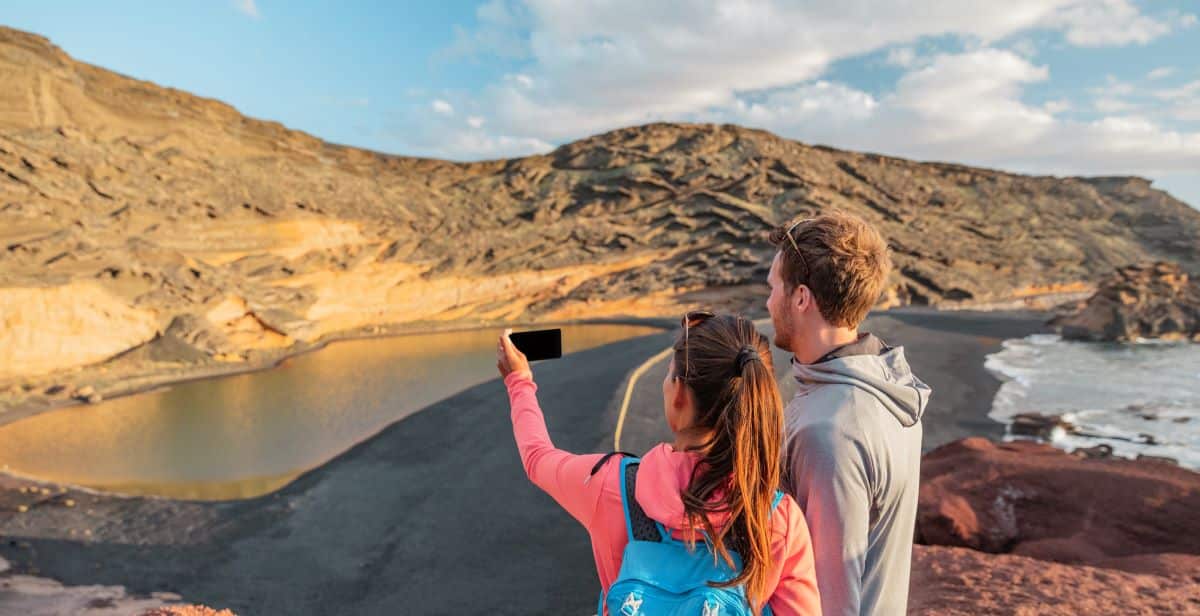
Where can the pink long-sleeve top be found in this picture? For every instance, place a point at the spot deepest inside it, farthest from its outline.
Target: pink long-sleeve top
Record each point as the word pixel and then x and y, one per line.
pixel 596 501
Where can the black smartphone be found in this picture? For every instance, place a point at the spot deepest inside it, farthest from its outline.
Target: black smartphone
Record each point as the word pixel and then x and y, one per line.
pixel 539 344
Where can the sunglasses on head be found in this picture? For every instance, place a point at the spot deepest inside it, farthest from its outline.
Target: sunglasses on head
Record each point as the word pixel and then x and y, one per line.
pixel 795 246
pixel 690 320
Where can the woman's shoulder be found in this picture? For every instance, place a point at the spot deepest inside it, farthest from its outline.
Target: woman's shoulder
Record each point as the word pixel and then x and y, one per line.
pixel 787 521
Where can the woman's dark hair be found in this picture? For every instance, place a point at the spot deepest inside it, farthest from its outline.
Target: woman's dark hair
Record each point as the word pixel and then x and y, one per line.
pixel 731 377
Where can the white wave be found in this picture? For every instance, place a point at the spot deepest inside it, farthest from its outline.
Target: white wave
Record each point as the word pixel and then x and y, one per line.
pixel 1139 398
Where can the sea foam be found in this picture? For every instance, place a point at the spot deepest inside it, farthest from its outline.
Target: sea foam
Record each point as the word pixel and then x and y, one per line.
pixel 1139 398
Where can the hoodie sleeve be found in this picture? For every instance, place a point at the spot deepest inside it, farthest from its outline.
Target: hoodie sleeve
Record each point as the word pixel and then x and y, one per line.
pixel 828 475
pixel 566 477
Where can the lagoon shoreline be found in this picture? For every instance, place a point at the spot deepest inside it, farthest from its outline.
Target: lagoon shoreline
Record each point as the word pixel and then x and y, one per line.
pixel 142 376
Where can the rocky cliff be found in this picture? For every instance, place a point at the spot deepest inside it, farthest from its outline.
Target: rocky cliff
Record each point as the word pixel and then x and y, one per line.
pixel 171 232
pixel 1151 300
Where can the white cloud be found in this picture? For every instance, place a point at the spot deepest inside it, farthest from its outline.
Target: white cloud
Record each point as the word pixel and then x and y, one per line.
pixel 968 108
pixel 1187 21
pixel 1026 47
pixel 902 57
pixel 1160 72
pixel 1106 22
pixel 970 98
pixel 247 7
pixel 1123 144
pixel 475 121
pixel 1106 104
pixel 1187 111
pixel 1057 106
pixel 595 65
pixel 955 103
pixel 513 146
pixel 477 144
pixel 1183 102
pixel 442 107
pixel 497 35
pixel 1187 90
pixel 819 110
pixel 1114 87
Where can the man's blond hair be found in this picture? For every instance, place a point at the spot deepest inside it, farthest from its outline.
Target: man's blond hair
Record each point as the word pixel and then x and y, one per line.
pixel 841 258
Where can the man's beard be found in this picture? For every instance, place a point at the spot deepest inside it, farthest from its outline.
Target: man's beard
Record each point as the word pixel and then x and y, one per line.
pixel 783 333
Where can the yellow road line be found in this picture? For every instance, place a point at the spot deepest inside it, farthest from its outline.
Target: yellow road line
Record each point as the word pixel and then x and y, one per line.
pixel 629 393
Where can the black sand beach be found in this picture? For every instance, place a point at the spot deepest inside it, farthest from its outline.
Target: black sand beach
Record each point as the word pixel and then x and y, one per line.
pixel 434 515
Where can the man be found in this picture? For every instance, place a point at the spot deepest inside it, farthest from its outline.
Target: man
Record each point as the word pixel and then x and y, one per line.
pixel 853 429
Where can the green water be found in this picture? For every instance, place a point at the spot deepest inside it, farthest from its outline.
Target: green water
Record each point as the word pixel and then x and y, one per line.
pixel 247 435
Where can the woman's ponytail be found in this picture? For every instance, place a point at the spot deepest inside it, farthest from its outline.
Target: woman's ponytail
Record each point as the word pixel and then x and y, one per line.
pixel 731 375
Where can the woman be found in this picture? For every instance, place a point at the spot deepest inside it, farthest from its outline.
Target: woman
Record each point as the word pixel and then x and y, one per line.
pixel 718 477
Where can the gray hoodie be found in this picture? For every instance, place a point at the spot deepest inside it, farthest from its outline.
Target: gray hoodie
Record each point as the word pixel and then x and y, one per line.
pixel 853 464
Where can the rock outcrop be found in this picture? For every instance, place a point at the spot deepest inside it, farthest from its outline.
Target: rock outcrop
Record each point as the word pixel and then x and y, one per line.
pixel 1156 300
pixel 204 240
pixel 1034 500
pixel 1023 528
pixel 186 610
pixel 960 582
pixel 40 324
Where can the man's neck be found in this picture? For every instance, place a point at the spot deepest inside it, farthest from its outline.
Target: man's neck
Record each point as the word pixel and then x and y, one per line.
pixel 811 346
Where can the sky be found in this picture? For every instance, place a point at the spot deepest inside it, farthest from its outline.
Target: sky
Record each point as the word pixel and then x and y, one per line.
pixel 1061 87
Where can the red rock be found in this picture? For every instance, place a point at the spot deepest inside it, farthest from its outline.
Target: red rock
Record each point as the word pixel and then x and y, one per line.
pixel 1034 500
pixel 186 610
pixel 956 581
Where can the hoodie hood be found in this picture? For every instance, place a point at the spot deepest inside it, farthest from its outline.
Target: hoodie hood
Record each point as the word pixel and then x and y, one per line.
pixel 885 376
pixel 662 475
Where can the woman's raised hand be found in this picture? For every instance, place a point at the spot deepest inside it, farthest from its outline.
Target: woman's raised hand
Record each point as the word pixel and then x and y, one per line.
pixel 509 359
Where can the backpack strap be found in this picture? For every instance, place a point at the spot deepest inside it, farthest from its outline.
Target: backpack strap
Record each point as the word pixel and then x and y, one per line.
pixel 640 526
pixel 600 463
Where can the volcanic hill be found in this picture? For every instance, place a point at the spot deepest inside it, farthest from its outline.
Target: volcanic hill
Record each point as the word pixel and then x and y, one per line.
pixel 149 231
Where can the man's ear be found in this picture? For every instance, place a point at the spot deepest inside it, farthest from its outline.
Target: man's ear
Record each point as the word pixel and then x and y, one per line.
pixel 802 298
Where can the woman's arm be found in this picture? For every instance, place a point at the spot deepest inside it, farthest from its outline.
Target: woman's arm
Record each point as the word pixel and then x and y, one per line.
pixel 796 594
pixel 564 476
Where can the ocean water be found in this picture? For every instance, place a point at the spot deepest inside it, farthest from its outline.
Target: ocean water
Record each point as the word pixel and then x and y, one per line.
pixel 1139 398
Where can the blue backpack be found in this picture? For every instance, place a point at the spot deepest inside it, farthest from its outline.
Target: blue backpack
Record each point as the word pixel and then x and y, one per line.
pixel 660 577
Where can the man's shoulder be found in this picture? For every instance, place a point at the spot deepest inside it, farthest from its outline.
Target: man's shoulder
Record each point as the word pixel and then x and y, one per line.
pixel 823 395
pixel 840 419
pixel 826 428
pixel 834 405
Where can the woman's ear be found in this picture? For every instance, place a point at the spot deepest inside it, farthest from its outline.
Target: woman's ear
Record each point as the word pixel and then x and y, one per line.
pixel 684 406
pixel 679 399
